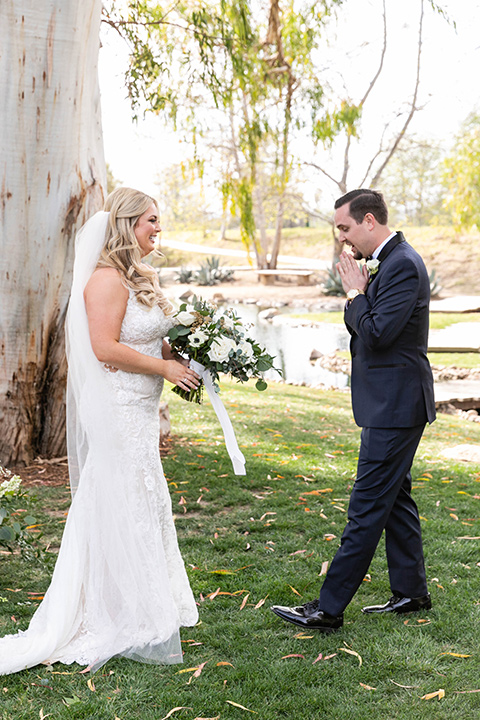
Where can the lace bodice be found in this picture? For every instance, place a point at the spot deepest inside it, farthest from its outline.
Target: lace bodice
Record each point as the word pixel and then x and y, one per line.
pixel 143 329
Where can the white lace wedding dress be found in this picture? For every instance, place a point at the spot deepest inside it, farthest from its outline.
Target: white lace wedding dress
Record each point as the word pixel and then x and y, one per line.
pixel 119 585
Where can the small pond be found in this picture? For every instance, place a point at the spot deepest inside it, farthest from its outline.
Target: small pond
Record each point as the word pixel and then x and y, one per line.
pixel 292 343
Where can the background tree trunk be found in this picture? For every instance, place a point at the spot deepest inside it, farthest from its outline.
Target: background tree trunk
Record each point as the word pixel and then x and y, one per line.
pixel 52 175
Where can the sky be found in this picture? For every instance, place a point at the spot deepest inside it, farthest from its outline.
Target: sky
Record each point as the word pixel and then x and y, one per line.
pixel 139 152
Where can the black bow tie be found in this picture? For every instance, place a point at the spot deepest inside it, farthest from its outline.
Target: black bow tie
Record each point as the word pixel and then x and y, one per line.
pixel 369 257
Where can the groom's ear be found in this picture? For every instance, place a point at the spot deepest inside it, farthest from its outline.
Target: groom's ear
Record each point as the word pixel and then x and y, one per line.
pixel 370 221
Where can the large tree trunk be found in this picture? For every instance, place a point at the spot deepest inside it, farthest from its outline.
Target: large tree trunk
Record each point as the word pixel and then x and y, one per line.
pixel 52 174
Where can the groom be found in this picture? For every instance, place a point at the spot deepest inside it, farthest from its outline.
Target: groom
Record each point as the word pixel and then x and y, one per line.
pixel 392 397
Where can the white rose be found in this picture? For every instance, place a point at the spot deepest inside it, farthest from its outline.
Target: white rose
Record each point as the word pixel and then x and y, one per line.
pixel 220 350
pixel 373 265
pixel 185 318
pixel 228 322
pixel 247 349
pixel 197 338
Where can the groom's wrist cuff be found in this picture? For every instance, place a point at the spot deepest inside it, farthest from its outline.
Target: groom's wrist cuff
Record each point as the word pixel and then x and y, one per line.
pixel 352 294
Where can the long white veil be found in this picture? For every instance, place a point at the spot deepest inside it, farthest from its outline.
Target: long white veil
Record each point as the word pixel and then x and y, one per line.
pixel 86 387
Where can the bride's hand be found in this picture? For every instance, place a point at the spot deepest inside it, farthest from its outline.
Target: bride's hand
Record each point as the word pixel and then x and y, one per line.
pixel 176 373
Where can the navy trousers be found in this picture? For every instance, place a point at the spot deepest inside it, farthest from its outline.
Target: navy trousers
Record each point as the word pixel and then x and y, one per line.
pixel 380 500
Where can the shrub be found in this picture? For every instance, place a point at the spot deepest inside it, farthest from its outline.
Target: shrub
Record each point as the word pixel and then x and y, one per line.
pixel 184 275
pixel 333 284
pixel 15 517
pixel 210 273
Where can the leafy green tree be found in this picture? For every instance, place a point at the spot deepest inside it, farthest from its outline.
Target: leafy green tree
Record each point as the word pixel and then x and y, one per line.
pixel 462 175
pixel 245 73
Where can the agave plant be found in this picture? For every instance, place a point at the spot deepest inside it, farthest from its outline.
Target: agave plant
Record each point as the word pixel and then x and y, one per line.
pixel 211 273
pixel 333 284
pixel 184 275
pixel 435 287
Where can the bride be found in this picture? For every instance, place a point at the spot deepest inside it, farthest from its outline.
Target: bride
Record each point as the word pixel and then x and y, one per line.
pixel 119 586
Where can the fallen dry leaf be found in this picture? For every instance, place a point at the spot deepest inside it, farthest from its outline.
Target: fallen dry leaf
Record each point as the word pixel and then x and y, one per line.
pixel 455 655
pixel 224 662
pixel 295 591
pixel 463 692
pixel 405 687
pixel 244 601
pixel 197 672
pixel 242 707
pixel 174 710
pixel 352 652
pixel 324 569
pixel 367 687
pixel 217 717
pixel 318 492
pixel 260 603
pixel 91 685
pixel 439 694
pixel 293 655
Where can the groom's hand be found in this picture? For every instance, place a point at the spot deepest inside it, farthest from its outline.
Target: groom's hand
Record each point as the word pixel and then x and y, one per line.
pixel 350 274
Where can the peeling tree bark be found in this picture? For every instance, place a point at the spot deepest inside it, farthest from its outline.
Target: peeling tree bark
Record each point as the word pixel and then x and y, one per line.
pixel 52 175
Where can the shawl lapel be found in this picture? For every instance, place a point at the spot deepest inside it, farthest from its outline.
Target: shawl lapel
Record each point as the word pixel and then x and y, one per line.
pixel 390 245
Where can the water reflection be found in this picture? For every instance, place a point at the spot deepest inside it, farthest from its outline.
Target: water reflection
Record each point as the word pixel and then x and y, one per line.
pixel 292 344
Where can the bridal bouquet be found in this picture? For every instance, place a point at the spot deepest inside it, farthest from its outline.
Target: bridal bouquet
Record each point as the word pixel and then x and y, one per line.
pixel 218 340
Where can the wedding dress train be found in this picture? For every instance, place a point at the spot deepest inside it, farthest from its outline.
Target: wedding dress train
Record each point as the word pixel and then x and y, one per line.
pixel 119 586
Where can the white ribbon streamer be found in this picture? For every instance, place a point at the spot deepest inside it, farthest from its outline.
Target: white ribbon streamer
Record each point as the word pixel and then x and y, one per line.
pixel 236 455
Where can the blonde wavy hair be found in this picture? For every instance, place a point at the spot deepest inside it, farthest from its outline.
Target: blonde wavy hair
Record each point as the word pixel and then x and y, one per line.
pixel 121 250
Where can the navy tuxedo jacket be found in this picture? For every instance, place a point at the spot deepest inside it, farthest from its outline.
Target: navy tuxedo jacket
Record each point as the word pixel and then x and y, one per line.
pixel 392 383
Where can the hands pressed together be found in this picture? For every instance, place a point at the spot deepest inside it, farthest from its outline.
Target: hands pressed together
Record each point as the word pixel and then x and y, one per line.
pixel 351 275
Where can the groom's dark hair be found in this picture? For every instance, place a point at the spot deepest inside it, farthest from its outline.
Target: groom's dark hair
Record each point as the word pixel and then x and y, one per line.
pixel 365 201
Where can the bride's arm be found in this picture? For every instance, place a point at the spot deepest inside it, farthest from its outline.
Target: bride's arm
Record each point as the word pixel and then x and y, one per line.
pixel 106 302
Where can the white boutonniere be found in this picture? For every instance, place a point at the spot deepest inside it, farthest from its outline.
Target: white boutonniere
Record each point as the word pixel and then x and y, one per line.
pixel 372 266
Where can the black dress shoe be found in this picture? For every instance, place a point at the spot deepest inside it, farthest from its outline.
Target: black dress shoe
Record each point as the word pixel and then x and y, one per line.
pixel 309 616
pixel 401 605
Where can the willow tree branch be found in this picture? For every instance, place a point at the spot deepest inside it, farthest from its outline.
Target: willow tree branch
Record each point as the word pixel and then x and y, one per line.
pixel 413 104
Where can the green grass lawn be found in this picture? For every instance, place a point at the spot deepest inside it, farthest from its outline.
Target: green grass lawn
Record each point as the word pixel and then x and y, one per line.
pixel 438 321
pixel 252 541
